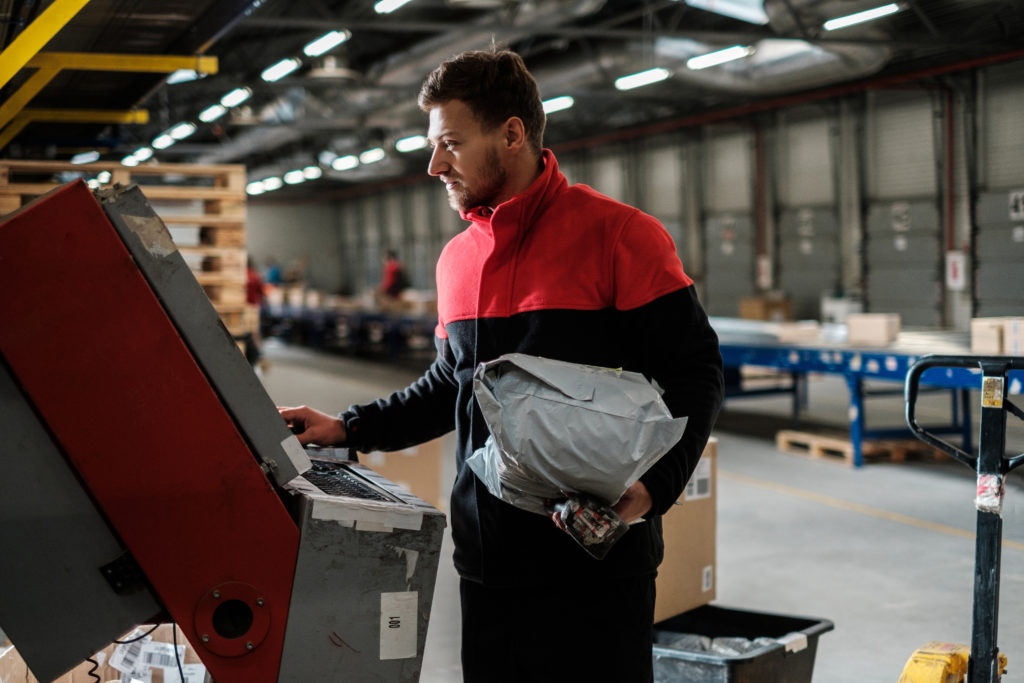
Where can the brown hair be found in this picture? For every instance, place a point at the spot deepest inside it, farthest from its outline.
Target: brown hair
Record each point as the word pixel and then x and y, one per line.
pixel 495 84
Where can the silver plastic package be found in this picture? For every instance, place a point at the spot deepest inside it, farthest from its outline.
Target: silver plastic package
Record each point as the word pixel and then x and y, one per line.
pixel 561 428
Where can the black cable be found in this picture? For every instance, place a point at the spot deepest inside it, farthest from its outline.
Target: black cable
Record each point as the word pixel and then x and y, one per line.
pixel 92 671
pixel 133 640
pixel 177 659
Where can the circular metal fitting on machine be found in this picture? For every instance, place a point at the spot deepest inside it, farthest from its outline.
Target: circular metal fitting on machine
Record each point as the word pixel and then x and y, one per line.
pixel 232 618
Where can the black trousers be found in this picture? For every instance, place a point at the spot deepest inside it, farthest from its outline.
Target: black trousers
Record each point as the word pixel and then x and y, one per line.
pixel 564 634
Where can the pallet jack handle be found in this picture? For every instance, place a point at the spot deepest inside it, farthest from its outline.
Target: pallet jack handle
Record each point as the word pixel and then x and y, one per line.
pixel 985 663
pixel 993 373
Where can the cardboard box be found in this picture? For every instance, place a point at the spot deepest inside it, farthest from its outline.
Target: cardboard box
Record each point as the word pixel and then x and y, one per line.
pixel 766 307
pixel 872 329
pixel 802 331
pixel 686 577
pixel 418 469
pixel 149 657
pixel 998 336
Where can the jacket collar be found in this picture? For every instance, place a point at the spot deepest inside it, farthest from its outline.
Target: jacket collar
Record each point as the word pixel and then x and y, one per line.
pixel 529 203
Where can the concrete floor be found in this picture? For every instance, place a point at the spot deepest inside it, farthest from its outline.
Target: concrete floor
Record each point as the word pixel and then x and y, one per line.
pixel 884 551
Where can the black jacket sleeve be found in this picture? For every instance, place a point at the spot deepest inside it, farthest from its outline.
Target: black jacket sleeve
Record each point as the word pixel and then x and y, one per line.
pixel 422 411
pixel 678 348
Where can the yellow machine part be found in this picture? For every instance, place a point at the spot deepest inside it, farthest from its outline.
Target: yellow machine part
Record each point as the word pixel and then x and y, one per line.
pixel 940 663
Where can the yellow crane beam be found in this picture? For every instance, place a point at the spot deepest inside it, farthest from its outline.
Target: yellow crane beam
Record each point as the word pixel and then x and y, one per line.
pixel 98 61
pixel 36 35
pixel 71 116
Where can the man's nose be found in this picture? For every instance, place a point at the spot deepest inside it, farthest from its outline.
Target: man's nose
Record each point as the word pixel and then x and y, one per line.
pixel 437 164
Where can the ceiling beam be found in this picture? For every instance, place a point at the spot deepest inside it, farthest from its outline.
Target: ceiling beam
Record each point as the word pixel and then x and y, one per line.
pixel 27 116
pixel 49 64
pixel 36 35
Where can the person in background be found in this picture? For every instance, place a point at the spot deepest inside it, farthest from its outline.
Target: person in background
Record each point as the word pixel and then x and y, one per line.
pixel 253 284
pixel 394 280
pixel 564 272
pixel 273 273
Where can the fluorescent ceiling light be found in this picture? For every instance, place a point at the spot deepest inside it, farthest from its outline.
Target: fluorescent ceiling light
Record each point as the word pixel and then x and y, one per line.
pixel 182 130
pixel 326 157
pixel 162 141
pixel 272 183
pixel 255 187
pixel 294 177
pixel 326 42
pixel 372 156
pixel 103 177
pixel 142 153
pixel 751 11
pixel 278 71
pixel 93 184
pixel 861 17
pixel 717 57
pixel 235 97
pixel 212 113
pixel 184 76
pixel 86 157
pixel 129 160
pixel 642 78
pixel 557 104
pixel 388 6
pixel 411 143
pixel 345 163
pixel 312 172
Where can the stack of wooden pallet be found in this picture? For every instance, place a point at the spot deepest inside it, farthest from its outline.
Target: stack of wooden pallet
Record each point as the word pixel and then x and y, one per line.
pixel 204 207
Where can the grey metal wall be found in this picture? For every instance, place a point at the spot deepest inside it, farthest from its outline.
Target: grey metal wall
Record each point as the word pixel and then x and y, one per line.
pixel 842 179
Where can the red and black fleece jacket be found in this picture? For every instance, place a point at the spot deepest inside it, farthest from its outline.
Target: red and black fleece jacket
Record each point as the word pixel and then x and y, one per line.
pixel 566 273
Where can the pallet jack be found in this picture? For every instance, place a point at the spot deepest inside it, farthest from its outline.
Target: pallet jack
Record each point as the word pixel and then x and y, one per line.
pixel 938 662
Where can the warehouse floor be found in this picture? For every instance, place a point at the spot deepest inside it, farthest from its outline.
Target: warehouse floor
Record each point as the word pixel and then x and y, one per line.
pixel 884 551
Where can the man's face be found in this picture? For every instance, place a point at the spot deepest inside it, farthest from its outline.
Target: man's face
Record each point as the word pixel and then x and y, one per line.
pixel 466 158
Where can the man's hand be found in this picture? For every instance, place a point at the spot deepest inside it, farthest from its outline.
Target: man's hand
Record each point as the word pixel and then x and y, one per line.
pixel 312 426
pixel 634 504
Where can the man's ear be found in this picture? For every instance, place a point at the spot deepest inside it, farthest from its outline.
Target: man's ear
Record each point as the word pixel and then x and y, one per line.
pixel 515 133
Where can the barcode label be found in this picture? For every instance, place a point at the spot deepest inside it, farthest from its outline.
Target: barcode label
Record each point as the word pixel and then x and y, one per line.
pixel 126 655
pixel 699 485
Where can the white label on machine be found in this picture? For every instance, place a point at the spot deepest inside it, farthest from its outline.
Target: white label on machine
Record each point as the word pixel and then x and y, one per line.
pixel 398 625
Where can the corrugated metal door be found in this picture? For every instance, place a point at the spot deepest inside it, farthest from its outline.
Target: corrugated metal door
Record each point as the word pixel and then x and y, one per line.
pixel 903 232
pixel 809 244
pixel 999 249
pixel 728 222
pixel 660 186
pixel 999 213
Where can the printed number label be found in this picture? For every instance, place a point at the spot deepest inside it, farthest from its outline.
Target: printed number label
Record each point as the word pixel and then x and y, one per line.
pixel 398 632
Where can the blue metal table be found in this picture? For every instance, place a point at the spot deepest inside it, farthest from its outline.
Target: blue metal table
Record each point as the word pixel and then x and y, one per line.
pixel 752 343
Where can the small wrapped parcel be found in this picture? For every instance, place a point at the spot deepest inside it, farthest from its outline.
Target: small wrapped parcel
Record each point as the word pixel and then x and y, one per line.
pixel 559 429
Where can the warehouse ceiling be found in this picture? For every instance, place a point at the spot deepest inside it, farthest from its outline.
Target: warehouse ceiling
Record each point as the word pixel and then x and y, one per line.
pixel 360 95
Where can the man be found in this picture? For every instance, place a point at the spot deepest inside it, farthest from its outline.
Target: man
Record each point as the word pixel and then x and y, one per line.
pixel 394 280
pixel 560 272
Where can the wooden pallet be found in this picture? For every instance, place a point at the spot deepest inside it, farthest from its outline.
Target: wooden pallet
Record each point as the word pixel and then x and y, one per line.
pixel 209 198
pixel 839 447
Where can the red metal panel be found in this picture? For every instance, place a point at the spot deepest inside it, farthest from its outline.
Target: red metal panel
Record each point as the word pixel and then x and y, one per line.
pixel 104 366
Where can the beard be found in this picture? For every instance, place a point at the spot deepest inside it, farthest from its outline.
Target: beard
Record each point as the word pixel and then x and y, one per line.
pixel 485 189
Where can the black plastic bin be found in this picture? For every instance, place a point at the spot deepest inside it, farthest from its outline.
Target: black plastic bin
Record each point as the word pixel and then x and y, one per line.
pixel 789 658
